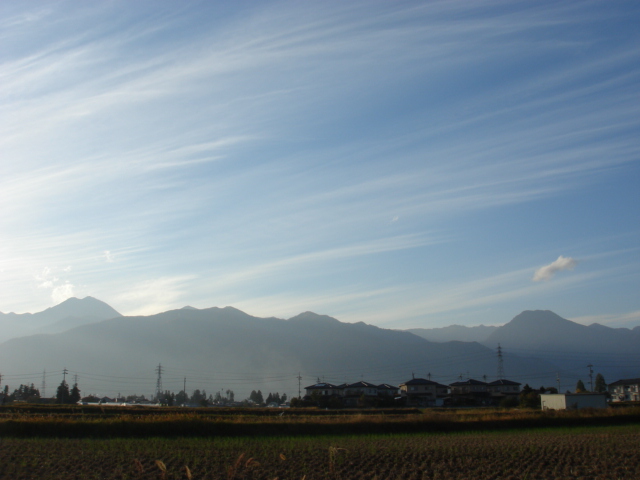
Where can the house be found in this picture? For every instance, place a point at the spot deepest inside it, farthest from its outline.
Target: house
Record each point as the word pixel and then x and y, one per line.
pixel 502 390
pixel 504 386
pixel 351 395
pixel 386 390
pixel 469 393
pixel 568 401
pixel 468 386
pixel 354 393
pixel 625 390
pixel 422 392
pixel 323 389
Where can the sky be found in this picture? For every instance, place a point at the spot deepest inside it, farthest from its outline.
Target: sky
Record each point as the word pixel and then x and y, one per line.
pixel 405 164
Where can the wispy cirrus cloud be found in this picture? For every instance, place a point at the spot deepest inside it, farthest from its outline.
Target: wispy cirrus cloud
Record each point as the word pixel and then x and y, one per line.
pixel 284 141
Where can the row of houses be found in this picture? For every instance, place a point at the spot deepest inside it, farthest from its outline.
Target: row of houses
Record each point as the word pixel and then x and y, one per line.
pixel 418 392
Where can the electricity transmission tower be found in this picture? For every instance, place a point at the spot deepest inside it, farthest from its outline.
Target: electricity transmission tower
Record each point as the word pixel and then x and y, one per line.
pixel 500 363
pixel 159 382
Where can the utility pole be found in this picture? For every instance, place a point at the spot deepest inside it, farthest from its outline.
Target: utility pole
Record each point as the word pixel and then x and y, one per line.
pixel 299 383
pixel 500 363
pixel 429 376
pixel 64 375
pixel 558 381
pixel 159 382
pixel 591 375
pixel 184 386
pixel 44 384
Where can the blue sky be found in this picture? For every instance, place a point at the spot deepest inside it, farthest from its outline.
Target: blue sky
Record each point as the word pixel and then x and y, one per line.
pixel 405 164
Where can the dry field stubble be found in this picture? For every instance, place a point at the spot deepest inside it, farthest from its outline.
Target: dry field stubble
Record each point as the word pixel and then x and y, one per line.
pixel 572 453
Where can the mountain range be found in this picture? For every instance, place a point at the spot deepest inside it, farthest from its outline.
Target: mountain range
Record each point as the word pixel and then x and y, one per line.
pixel 225 348
pixel 71 313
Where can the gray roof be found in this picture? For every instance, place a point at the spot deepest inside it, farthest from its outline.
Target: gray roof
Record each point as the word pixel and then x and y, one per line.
pixel 471 381
pixel 320 386
pixel 502 381
pixel 628 381
pixel 422 381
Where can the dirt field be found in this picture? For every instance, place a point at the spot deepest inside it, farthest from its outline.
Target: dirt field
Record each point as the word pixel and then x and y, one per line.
pixel 567 453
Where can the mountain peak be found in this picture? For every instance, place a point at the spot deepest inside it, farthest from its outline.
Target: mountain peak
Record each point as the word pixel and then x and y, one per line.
pixel 313 317
pixel 87 306
pixel 538 316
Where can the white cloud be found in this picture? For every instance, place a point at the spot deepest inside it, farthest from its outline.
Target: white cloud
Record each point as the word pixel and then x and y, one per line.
pixel 62 292
pixel 108 256
pixel 154 296
pixel 548 271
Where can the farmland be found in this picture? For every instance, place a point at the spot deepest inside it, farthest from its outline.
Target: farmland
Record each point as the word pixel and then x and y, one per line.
pixel 593 445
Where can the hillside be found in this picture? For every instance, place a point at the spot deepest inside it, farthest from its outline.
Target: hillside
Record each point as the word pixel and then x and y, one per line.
pixel 70 313
pixel 459 333
pixel 226 348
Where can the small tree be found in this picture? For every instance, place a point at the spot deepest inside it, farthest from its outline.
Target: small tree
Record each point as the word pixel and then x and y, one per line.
pixel 62 394
pixel 197 396
pixel 74 396
pixel 182 397
pixel 580 388
pixel 601 385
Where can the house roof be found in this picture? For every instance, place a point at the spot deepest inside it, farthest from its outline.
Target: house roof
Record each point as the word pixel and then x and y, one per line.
pixel 386 386
pixel 320 386
pixel 627 381
pixel 502 381
pixel 361 385
pixel 471 381
pixel 421 381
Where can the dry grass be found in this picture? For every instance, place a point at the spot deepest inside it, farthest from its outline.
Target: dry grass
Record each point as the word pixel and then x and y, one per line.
pixel 171 423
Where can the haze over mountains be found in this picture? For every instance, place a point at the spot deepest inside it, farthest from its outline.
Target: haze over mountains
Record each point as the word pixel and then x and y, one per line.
pixel 224 348
pixel 70 313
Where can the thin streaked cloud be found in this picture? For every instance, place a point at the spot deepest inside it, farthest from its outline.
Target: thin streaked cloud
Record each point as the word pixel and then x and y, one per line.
pixel 348 155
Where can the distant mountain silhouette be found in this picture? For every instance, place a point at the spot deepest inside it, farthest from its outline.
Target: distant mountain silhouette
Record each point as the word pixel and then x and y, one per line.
pixel 571 347
pixel 227 348
pixel 543 334
pixel 458 333
pixel 230 349
pixel 70 313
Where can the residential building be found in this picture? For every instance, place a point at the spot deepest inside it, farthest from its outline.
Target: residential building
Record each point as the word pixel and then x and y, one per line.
pixel 422 392
pixel 351 395
pixel 469 393
pixel 468 386
pixel 386 390
pixel 625 390
pixel 323 389
pixel 504 386
pixel 359 394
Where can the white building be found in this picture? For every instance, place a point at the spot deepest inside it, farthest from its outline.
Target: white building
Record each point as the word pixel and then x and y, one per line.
pixel 627 390
pixel 567 401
